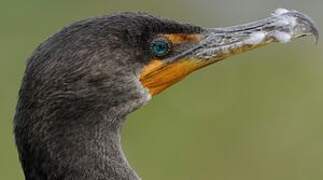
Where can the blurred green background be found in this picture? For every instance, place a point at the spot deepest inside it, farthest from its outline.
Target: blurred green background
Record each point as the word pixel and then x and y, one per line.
pixel 258 116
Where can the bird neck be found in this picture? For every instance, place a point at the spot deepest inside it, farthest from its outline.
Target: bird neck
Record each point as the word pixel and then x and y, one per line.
pixel 89 149
pixel 75 135
pixel 100 151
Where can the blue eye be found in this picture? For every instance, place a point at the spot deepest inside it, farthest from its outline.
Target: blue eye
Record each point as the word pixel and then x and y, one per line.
pixel 160 47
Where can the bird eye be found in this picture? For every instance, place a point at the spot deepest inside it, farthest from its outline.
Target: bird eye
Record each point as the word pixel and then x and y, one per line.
pixel 160 47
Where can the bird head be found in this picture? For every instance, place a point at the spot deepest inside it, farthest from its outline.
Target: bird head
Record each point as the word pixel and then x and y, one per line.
pixel 124 59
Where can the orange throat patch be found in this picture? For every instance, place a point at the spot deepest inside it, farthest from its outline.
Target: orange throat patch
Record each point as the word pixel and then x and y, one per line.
pixel 158 76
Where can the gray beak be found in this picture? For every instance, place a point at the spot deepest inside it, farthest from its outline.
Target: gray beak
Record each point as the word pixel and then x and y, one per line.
pixel 282 26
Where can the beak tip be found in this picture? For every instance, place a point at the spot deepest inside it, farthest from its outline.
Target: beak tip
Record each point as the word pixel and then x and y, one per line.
pixel 316 35
pixel 306 25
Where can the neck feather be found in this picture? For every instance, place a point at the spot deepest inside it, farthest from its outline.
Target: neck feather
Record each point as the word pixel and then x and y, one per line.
pixel 87 150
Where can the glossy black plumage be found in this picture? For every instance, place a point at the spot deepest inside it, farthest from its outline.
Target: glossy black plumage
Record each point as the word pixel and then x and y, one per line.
pixel 78 87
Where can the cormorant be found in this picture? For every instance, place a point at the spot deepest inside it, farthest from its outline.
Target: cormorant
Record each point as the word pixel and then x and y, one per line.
pixel 81 83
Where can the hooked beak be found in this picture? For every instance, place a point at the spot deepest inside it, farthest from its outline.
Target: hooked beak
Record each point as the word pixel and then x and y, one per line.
pixel 283 26
pixel 216 44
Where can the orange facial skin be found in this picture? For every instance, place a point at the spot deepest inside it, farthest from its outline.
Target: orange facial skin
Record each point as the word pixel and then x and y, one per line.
pixel 158 75
pixel 181 38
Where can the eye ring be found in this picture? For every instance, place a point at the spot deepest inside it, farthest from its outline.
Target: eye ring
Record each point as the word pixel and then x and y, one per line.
pixel 160 47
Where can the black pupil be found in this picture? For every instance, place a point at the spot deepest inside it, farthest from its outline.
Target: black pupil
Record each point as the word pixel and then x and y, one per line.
pixel 160 48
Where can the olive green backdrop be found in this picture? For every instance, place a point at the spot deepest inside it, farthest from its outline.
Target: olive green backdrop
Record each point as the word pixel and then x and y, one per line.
pixel 257 116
